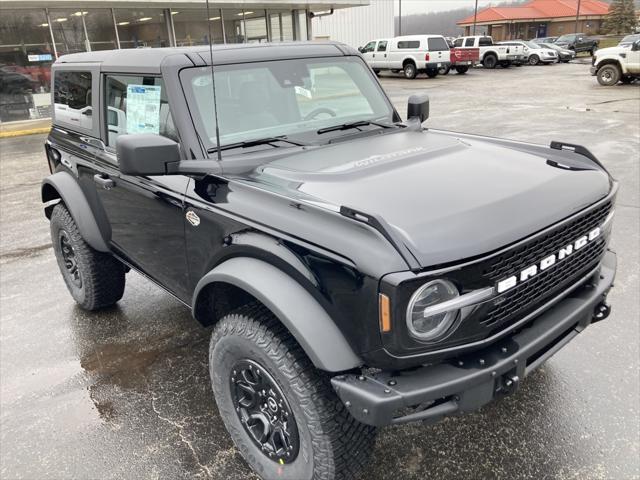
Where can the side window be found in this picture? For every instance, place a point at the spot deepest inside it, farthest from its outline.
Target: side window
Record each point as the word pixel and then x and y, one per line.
pixel 369 47
pixel 382 46
pixel 409 44
pixel 485 42
pixel 469 42
pixel 137 104
pixel 458 42
pixel 72 98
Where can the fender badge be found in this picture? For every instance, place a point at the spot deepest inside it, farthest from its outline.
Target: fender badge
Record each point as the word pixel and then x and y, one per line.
pixel 193 218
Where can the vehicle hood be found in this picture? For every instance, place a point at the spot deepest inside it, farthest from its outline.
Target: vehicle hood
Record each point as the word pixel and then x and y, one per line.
pixel 617 50
pixel 448 196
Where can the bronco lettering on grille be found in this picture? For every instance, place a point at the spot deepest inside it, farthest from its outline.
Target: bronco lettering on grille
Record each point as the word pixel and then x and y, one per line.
pixel 547 262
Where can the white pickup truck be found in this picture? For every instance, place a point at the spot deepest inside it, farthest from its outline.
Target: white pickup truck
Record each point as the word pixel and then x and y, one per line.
pixel 617 64
pixel 492 54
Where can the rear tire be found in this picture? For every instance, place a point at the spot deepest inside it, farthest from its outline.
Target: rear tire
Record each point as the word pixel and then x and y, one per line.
pixel 505 64
pixel 253 358
pixel 94 279
pixel 462 70
pixel 444 70
pixel 432 73
pixel 410 70
pixel 608 75
pixel 490 61
pixel 376 71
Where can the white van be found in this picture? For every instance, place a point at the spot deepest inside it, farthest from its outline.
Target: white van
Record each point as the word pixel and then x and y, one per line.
pixel 411 54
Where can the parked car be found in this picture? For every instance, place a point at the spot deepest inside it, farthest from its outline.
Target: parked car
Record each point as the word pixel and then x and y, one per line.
pixel 617 64
pixel 629 39
pixel 534 53
pixel 355 270
pixel 490 53
pixel 578 42
pixel 411 54
pixel 462 59
pixel 544 40
pixel 564 55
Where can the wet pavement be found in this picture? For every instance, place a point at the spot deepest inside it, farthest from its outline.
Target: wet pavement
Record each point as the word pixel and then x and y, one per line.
pixel 124 393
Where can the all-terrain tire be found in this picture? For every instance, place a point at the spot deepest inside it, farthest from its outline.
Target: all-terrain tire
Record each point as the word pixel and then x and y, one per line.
pixel 609 75
pixel 94 279
pixel 333 445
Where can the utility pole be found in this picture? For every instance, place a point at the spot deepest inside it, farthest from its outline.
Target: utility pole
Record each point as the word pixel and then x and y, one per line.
pixel 577 16
pixel 400 17
pixel 475 16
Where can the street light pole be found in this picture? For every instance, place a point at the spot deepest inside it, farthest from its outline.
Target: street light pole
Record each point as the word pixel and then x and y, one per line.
pixel 577 16
pixel 400 17
pixel 475 16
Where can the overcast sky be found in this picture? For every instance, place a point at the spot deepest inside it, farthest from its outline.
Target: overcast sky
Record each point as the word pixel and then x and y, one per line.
pixel 426 6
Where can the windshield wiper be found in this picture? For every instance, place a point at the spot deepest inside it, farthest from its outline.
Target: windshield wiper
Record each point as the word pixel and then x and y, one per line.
pixel 254 143
pixel 361 123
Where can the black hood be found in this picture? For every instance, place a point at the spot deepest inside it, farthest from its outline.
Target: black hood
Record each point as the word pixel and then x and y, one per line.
pixel 448 196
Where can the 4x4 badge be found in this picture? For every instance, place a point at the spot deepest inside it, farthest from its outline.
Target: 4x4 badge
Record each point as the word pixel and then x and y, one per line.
pixel 193 218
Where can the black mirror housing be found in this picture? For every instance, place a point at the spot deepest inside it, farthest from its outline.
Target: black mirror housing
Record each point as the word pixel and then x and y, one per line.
pixel 146 154
pixel 418 107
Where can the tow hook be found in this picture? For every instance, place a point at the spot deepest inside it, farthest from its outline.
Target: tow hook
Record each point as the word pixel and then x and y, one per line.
pixel 601 312
pixel 509 384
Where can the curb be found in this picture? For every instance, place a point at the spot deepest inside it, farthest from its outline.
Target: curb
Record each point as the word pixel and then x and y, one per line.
pixel 19 133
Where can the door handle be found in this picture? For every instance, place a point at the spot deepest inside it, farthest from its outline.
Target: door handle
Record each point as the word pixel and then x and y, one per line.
pixel 374 55
pixel 104 181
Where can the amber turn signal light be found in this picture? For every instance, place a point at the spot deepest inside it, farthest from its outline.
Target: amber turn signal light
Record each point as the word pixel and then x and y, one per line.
pixel 385 313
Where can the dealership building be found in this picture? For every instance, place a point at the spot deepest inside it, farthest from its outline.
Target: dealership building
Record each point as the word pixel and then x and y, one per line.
pixel 34 33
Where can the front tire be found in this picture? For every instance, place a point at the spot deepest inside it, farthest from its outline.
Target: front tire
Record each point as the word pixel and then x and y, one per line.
pixel 280 411
pixel 608 75
pixel 534 60
pixel 94 279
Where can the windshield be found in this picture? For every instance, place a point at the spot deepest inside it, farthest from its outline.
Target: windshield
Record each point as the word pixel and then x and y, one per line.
pixel 532 45
pixel 292 98
pixel 565 38
pixel 630 38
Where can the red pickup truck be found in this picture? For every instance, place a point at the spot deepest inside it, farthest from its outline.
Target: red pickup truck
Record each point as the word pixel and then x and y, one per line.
pixel 461 60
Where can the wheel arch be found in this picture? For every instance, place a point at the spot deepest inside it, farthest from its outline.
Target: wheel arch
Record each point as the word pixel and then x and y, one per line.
pixel 610 61
pixel 62 187
pixel 240 279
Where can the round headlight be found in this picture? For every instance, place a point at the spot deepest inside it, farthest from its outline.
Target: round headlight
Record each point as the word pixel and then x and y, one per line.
pixel 432 326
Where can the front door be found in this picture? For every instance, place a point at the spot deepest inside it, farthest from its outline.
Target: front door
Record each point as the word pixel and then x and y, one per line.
pixel 368 52
pixel 380 60
pixel 146 214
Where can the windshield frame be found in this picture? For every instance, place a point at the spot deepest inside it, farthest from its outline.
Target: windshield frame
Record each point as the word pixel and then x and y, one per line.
pixel 210 147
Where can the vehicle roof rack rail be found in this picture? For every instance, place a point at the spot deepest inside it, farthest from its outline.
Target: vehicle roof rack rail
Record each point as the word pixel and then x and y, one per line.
pixel 379 224
pixel 579 149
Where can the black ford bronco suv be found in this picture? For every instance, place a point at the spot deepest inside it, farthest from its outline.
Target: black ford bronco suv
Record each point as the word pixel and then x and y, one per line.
pixel 358 271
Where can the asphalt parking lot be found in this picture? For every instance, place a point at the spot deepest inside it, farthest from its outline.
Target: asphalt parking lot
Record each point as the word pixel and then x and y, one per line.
pixel 124 393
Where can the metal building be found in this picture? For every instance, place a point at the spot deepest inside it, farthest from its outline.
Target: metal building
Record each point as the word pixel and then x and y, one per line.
pixel 356 26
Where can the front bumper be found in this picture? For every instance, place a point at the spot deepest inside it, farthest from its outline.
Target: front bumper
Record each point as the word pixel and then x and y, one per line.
pixel 430 393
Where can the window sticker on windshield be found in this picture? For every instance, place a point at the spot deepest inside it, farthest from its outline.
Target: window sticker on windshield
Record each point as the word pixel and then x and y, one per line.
pixel 143 109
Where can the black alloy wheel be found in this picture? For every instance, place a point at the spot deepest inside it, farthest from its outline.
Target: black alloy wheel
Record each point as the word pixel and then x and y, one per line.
pixel 264 411
pixel 70 260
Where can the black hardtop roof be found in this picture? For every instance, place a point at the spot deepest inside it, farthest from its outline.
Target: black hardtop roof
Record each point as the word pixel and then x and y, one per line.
pixel 150 60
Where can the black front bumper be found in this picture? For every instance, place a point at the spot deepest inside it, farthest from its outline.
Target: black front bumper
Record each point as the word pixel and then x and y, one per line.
pixel 429 393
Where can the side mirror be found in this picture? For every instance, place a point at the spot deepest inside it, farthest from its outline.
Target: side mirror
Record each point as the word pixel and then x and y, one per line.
pixel 360 49
pixel 418 107
pixel 636 46
pixel 146 154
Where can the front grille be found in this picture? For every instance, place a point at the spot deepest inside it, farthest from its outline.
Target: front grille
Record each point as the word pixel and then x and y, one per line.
pixel 527 296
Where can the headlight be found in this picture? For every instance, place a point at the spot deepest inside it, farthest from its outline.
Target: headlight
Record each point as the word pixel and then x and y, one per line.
pixel 431 327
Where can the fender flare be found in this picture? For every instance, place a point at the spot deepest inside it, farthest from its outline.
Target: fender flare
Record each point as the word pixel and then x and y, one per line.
pixel 296 308
pixel 62 185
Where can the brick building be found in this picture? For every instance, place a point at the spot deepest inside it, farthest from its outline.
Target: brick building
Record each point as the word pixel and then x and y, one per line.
pixel 538 18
